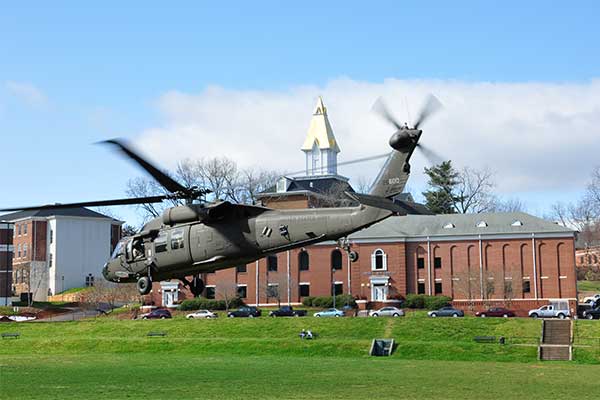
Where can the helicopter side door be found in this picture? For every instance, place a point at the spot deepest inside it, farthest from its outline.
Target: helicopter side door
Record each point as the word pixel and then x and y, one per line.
pixel 172 247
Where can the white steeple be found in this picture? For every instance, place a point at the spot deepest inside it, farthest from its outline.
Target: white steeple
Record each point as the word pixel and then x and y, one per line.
pixel 320 146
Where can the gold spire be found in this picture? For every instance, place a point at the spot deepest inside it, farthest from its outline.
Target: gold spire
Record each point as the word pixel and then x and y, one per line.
pixel 320 131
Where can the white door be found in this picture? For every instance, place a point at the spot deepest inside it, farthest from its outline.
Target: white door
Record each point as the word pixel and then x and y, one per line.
pixel 169 298
pixel 379 292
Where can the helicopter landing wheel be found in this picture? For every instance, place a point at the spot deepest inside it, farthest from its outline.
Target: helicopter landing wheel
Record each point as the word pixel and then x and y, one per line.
pixel 144 285
pixel 197 286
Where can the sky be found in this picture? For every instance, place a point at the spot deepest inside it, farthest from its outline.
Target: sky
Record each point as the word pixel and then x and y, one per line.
pixel 519 82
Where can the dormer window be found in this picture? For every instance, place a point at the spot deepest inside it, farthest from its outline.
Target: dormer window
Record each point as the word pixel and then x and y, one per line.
pixel 517 223
pixel 482 224
pixel 282 185
pixel 449 225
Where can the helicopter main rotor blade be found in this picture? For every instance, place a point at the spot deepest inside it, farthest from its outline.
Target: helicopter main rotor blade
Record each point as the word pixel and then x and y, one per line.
pixel 355 161
pixel 116 202
pixel 431 106
pixel 431 156
pixel 380 108
pixel 166 181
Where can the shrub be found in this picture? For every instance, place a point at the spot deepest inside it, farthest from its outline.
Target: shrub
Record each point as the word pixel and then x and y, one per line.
pixel 425 301
pixel 435 302
pixel 209 304
pixel 327 301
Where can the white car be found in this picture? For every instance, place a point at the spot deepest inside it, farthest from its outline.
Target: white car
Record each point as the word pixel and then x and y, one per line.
pixel 592 299
pixel 201 314
pixel 386 312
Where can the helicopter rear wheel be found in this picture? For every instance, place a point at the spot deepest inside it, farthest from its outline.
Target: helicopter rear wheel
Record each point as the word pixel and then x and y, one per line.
pixel 144 285
pixel 197 286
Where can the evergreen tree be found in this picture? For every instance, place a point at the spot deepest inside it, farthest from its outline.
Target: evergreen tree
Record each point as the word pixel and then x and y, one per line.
pixel 440 197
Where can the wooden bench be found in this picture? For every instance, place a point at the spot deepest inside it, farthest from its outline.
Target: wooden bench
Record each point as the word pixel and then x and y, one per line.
pixel 160 334
pixel 485 339
pixel 14 335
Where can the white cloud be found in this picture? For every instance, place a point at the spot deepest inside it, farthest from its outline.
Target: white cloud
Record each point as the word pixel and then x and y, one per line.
pixel 27 92
pixel 538 137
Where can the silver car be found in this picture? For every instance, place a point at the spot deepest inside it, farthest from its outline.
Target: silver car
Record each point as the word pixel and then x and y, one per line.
pixel 201 314
pixel 387 312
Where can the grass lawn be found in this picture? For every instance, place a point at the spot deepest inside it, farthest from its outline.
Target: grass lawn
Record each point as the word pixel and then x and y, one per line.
pixel 264 359
pixel 588 286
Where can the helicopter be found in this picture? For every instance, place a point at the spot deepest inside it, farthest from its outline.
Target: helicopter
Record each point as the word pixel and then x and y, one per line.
pixel 199 237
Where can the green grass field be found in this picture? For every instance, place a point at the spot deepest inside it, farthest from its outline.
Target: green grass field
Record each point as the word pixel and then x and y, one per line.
pixel 588 286
pixel 264 359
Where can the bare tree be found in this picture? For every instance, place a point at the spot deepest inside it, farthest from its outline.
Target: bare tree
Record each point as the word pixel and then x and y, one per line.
pixel 227 291
pixel 334 196
pixel 109 294
pixel 468 285
pixel 508 205
pixel 474 191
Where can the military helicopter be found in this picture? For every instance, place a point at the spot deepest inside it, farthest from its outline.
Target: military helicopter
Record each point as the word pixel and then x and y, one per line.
pixel 201 237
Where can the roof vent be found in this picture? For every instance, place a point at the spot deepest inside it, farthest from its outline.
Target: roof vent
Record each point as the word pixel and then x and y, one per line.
pixel 449 225
pixel 517 223
pixel 482 224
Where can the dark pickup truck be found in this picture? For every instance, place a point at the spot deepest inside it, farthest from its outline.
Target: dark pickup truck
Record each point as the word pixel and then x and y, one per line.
pixel 248 312
pixel 287 311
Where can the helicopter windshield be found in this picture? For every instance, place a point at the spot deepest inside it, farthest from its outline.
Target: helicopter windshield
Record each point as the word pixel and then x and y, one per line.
pixel 119 248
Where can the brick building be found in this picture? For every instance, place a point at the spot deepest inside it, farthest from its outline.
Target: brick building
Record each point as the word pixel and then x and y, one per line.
pixel 56 250
pixel 6 249
pixel 477 259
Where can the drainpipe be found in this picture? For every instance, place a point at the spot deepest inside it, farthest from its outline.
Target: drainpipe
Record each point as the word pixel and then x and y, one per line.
pixel 257 283
pixel 480 267
pixel 289 278
pixel 349 286
pixel 429 265
pixel 535 286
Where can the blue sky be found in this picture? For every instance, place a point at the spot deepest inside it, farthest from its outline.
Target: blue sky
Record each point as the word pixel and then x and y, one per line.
pixel 72 74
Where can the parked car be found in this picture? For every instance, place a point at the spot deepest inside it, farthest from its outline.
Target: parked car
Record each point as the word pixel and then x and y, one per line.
pixel 387 312
pixel 201 314
pixel 330 312
pixel 447 311
pixel 495 312
pixel 245 312
pixel 159 313
pixel 592 299
pixel 592 313
pixel 287 311
pixel 558 310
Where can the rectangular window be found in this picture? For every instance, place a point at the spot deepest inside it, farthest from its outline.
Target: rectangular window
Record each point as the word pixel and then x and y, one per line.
pixel 242 291
pixel 272 263
pixel 420 263
pixel 19 251
pixel 420 288
pixel 25 250
pixel 89 281
pixel 438 288
pixel 50 260
pixel 241 268
pixel 338 288
pixel 304 290
pixel 526 287
pixel 437 262
pixel 210 292
pixel 177 239
pixel 51 236
pixel 160 243
pixel 19 229
pixel 273 290
pixel 25 229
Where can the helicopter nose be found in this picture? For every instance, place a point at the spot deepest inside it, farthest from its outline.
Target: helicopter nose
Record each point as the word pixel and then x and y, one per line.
pixel 108 273
pixel 404 138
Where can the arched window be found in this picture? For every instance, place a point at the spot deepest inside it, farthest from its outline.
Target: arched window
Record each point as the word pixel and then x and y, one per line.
pixel 303 260
pixel 336 259
pixel 378 260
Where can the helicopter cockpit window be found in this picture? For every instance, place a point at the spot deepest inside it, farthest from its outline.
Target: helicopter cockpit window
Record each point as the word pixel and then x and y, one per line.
pixel 177 239
pixel 118 249
pixel 160 243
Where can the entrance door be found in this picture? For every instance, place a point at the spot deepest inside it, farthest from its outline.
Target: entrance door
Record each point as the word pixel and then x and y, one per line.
pixel 379 292
pixel 169 298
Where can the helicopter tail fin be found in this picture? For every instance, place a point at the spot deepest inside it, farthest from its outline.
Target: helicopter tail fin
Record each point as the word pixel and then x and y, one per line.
pixel 393 176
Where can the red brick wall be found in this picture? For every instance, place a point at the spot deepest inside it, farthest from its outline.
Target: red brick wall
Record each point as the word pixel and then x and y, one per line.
pixel 506 260
pixel 6 239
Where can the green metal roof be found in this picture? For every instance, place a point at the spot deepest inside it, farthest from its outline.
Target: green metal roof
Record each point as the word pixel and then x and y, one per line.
pixel 414 226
